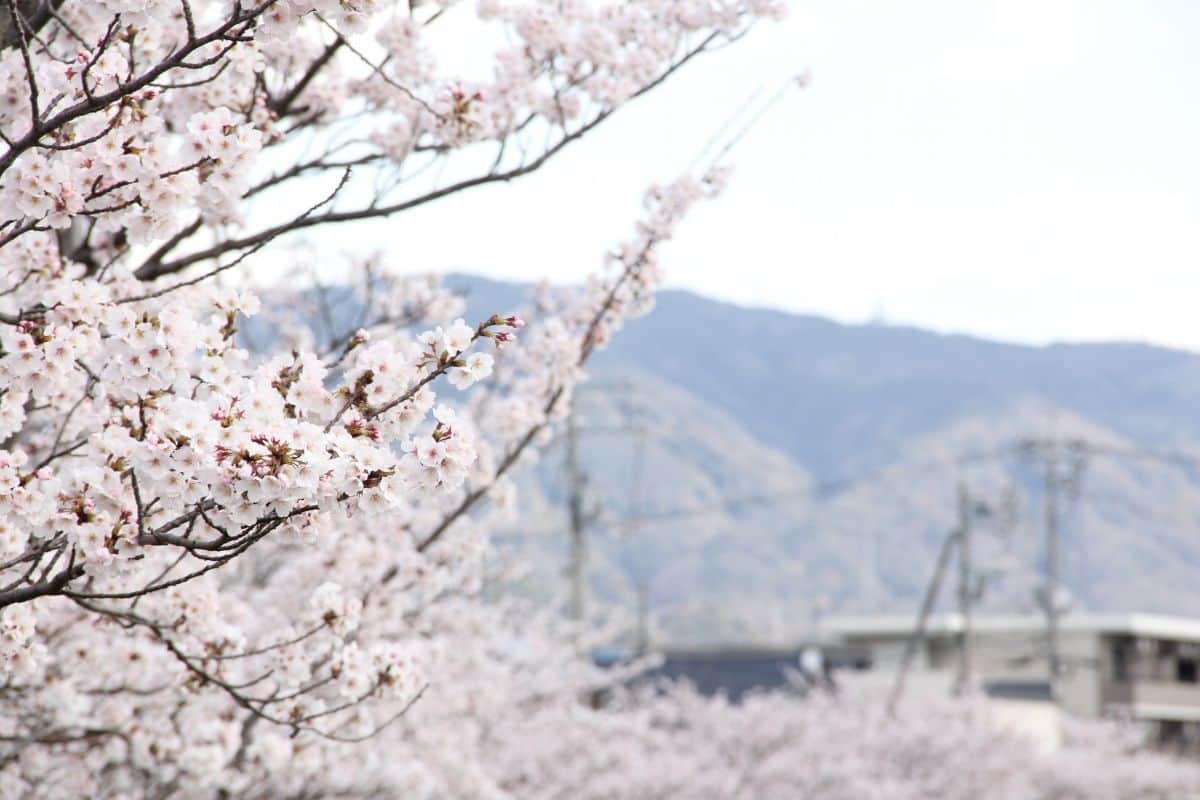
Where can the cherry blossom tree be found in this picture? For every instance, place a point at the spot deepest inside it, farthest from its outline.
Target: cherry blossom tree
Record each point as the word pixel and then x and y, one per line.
pixel 258 572
pixel 222 571
pixel 844 746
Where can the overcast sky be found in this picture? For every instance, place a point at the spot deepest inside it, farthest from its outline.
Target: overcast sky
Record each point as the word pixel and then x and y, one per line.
pixel 1020 169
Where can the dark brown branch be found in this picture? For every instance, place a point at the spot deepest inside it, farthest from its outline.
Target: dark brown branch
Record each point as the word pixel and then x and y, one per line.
pixel 283 105
pixel 53 586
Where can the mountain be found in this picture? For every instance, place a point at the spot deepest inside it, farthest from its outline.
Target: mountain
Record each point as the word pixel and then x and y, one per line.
pixel 791 465
pixel 833 395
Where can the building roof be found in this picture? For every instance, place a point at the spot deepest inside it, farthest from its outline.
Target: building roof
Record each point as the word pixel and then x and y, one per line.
pixel 737 650
pixel 1158 626
pixel 733 673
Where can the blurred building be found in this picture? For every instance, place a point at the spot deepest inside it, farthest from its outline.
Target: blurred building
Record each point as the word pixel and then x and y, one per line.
pixel 734 670
pixel 1143 667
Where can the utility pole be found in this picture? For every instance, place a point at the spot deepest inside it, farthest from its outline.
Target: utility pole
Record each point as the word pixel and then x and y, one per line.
pixel 966 591
pixel 637 485
pixel 643 618
pixel 575 500
pixel 580 512
pixel 1054 455
pixel 1052 565
pixel 918 635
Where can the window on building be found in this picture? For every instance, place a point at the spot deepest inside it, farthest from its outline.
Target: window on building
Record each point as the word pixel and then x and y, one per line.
pixel 1120 660
pixel 1186 670
pixel 1170 732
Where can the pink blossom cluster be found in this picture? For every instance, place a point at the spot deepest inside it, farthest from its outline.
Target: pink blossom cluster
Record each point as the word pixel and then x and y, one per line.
pixel 673 742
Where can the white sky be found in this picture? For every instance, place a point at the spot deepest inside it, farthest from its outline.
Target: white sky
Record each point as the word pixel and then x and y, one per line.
pixel 1018 169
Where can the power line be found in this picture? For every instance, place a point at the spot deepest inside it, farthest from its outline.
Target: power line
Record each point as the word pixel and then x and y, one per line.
pixel 826 488
pixel 1054 453
pixel 839 485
